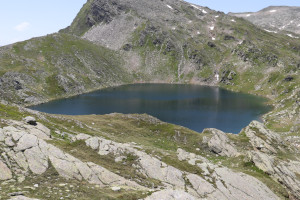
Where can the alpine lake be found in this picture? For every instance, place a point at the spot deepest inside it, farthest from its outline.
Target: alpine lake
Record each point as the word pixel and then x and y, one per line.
pixel 192 106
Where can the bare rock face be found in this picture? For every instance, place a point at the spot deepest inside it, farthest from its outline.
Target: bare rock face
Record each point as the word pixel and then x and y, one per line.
pixel 262 161
pixel 240 185
pixel 229 184
pixel 267 144
pixel 171 195
pixel 37 161
pixel 5 173
pixel 21 198
pixel 2 137
pixel 282 171
pixel 220 144
pixel 26 142
pixel 262 138
pixel 32 153
pixel 122 28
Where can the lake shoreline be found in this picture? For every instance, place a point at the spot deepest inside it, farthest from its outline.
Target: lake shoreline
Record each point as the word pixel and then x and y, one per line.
pixel 191 105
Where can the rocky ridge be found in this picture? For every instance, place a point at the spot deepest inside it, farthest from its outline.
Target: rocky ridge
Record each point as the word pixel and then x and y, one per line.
pixel 275 19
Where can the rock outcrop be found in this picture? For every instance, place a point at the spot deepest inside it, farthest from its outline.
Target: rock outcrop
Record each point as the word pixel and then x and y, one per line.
pixel 229 184
pixel 22 198
pixel 26 149
pixel 5 172
pixel 262 138
pixel 30 120
pixel 220 144
pixel 171 195
pixel 267 145
pixel 31 153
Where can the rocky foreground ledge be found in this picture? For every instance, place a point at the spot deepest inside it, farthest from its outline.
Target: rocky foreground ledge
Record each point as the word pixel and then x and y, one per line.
pixel 48 162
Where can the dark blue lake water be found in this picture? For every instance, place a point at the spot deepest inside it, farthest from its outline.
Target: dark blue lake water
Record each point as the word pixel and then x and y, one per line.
pixel 193 106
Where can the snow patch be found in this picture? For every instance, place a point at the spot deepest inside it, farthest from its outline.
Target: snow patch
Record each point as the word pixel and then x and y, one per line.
pixel 198 33
pixel 248 15
pixel 270 31
pixel 170 7
pixel 195 7
pixel 283 27
pixel 233 20
pixel 272 11
pixel 290 35
pixel 217 76
pixel 213 38
pixel 218 16
pixel 199 8
pixel 212 28
pixel 298 25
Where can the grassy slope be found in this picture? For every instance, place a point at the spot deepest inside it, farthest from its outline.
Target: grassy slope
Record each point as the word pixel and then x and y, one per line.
pixel 79 26
pixel 59 65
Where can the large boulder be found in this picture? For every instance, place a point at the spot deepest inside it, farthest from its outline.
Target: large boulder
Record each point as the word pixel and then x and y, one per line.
pixel 262 161
pixel 27 141
pixel 37 161
pixel 220 144
pixel 30 120
pixel 262 138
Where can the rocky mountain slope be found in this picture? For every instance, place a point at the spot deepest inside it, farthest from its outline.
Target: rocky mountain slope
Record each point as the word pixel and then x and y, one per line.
pixel 114 42
pixel 56 65
pixel 275 19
